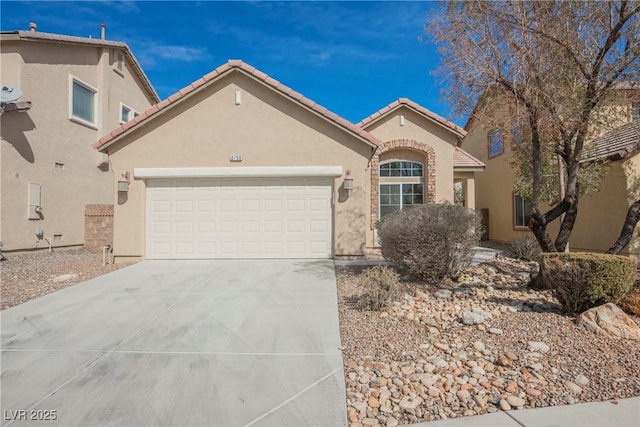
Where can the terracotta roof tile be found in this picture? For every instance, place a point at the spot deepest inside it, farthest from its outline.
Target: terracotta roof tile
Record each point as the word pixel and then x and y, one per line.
pixel 118 131
pixel 198 83
pixel 619 143
pixel 260 75
pixel 416 107
pixel 253 72
pixel 272 82
pixel 462 159
pixel 127 125
pixel 173 98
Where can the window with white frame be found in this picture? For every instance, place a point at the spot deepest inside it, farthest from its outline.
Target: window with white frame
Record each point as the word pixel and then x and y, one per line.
pixel 400 168
pixel 401 186
pixel 521 208
pixel 496 145
pixel 83 102
pixel 127 113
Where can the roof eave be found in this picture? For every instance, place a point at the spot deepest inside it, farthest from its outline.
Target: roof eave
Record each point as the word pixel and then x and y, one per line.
pixel 469 168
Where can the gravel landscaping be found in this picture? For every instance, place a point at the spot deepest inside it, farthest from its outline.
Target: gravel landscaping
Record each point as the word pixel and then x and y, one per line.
pixel 485 343
pixel 31 275
pixel 482 344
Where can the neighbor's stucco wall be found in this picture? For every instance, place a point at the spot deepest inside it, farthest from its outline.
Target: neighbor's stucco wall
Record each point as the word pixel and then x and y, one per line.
pixel 494 187
pixel 632 172
pixel 266 129
pixel 600 215
pixel 35 140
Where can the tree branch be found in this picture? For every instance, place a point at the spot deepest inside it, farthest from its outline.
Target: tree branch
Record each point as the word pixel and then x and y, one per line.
pixel 633 216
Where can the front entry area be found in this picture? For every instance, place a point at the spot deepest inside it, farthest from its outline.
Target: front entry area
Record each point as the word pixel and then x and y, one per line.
pixel 257 217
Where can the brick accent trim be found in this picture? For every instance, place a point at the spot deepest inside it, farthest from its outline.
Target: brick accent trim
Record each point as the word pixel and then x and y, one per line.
pixel 430 169
pixel 98 227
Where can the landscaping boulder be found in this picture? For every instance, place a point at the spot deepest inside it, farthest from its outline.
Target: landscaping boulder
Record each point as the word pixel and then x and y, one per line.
pixel 610 320
pixel 470 318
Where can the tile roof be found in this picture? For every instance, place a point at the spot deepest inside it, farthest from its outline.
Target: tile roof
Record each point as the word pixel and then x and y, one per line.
pixel 247 69
pixel 419 109
pixel 61 38
pixel 462 159
pixel 620 143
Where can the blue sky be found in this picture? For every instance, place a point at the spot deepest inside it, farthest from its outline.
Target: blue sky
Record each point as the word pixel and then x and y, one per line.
pixel 351 57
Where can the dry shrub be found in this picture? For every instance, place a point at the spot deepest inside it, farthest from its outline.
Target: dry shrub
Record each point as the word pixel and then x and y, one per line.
pixel 525 248
pixel 381 286
pixel 430 241
pixel 631 302
pixel 585 280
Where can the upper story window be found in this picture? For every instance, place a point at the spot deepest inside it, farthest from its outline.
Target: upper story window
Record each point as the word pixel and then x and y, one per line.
pixel 83 102
pixel 496 145
pixel 127 113
pixel 400 169
pixel 635 111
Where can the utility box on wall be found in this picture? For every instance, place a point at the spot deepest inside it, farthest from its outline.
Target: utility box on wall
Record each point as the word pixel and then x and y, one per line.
pixel 34 209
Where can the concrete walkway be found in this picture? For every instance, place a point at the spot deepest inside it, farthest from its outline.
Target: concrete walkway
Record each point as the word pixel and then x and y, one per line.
pixel 619 413
pixel 180 343
pixel 480 255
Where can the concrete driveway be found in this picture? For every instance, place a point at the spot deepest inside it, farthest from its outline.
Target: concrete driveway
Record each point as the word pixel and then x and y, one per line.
pixel 179 343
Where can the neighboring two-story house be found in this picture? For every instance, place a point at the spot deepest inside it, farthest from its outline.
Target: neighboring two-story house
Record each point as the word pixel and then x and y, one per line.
pixel 78 89
pixel 600 215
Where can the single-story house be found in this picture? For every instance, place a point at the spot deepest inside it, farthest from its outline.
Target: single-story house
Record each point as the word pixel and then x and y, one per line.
pixel 237 165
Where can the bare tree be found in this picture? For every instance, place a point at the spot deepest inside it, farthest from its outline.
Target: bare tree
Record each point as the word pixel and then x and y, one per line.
pixel 554 66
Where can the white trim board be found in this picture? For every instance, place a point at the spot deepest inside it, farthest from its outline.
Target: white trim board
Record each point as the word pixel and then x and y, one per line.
pixel 231 172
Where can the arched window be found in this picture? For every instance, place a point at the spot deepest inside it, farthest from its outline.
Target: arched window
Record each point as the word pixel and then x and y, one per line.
pixel 400 169
pixel 401 185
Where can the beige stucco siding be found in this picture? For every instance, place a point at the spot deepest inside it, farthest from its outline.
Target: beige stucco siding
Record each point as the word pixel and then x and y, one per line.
pixel 494 187
pixel 600 215
pixel 632 171
pixel 35 140
pixel 418 128
pixel 267 129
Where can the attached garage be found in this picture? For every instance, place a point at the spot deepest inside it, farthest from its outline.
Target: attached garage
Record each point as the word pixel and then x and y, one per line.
pixel 238 165
pixel 242 216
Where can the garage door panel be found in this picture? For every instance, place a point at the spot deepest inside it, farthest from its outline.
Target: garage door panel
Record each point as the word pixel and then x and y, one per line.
pixel 273 205
pixel 318 205
pixel 239 218
pixel 251 226
pixel 273 226
pixel 318 226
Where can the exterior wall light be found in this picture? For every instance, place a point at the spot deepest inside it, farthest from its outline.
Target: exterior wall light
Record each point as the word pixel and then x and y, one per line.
pixel 123 183
pixel 348 181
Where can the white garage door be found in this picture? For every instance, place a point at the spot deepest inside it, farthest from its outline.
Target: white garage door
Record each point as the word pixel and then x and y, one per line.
pixel 239 218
